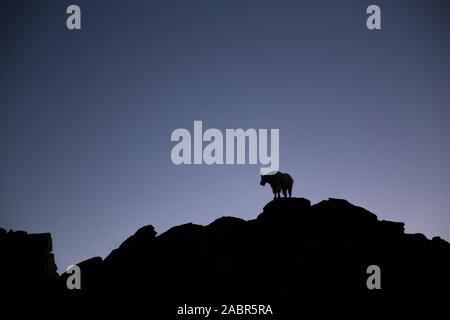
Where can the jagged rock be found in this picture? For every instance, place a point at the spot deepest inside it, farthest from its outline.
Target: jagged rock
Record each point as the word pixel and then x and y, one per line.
pixel 284 206
pixel 146 233
pixel 292 251
pixel 28 267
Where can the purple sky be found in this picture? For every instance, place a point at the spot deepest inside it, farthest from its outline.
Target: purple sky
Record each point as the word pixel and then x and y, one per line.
pixel 86 116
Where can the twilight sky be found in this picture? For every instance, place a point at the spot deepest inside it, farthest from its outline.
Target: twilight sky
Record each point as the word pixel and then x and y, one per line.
pixel 86 116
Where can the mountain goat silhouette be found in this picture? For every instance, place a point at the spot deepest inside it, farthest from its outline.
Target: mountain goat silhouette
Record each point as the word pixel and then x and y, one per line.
pixel 280 182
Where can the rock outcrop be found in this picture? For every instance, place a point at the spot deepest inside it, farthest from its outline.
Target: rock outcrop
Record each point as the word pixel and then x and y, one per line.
pixel 293 251
pixel 27 267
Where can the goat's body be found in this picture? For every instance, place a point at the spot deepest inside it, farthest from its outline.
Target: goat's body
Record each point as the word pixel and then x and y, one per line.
pixel 280 183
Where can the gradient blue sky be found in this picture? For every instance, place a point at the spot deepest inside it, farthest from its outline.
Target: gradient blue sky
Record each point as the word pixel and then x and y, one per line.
pixel 86 116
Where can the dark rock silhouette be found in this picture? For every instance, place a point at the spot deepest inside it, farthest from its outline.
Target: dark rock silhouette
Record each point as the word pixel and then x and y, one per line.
pixel 279 182
pixel 27 267
pixel 291 251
